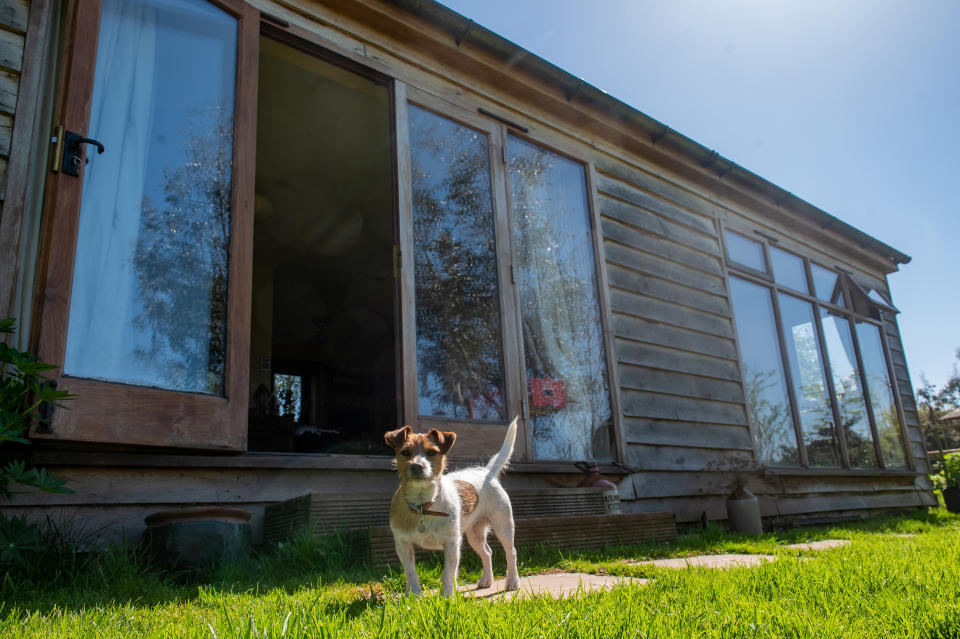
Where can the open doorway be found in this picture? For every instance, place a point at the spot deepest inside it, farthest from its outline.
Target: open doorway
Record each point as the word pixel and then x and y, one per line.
pixel 323 371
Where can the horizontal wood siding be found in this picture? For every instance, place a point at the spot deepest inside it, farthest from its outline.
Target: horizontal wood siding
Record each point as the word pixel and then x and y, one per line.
pixel 13 29
pixel 901 374
pixel 685 425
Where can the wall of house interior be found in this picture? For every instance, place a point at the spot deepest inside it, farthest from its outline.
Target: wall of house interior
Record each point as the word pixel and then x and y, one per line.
pixel 323 363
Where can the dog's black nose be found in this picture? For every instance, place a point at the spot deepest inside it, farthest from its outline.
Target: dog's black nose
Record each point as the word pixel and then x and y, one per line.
pixel 416 469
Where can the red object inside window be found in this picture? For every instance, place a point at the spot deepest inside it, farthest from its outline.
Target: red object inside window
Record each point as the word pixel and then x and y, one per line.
pixel 547 393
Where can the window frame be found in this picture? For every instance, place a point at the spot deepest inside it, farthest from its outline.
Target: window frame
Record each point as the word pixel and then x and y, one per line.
pixel 848 287
pixel 113 412
pixel 122 414
pixel 488 435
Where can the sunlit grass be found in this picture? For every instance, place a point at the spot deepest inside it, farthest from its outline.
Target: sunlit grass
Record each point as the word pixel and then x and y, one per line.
pixel 883 584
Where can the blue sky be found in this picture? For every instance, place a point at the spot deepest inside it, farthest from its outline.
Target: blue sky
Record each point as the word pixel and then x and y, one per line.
pixel 852 105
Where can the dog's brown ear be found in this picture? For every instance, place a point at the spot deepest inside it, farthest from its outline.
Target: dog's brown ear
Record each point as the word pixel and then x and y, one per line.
pixel 396 438
pixel 443 440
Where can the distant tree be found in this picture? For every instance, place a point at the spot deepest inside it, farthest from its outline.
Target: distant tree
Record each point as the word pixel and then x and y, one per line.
pixel 933 404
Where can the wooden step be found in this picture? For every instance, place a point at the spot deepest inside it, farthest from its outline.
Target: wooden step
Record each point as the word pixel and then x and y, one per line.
pixel 324 513
pixel 572 532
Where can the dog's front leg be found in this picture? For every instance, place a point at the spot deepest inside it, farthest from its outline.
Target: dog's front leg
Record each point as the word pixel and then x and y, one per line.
pixel 451 563
pixel 408 559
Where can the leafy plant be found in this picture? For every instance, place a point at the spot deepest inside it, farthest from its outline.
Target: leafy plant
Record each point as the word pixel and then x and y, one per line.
pixel 17 538
pixel 951 470
pixel 23 393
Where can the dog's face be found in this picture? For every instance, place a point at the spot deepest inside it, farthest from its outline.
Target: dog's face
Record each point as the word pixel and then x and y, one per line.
pixel 420 457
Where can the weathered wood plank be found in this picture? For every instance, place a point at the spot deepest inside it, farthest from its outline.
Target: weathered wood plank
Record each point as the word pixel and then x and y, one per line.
pixel 657 186
pixel 616 231
pixel 639 329
pixel 3 178
pixel 648 222
pixel 629 194
pixel 668 313
pixel 822 503
pixel 9 86
pixel 11 50
pixel 680 408
pixel 14 13
pixel 669 359
pixel 647 379
pixel 665 290
pixel 6 131
pixel 654 264
pixel 688 509
pixel 673 433
pixel 646 458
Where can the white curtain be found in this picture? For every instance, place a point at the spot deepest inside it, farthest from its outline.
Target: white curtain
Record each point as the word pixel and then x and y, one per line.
pixel 560 308
pixel 101 335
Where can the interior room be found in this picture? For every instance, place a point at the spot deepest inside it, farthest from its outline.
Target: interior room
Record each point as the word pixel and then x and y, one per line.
pixel 323 374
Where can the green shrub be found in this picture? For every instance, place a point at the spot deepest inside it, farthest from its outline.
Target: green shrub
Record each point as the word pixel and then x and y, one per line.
pixel 23 392
pixel 951 470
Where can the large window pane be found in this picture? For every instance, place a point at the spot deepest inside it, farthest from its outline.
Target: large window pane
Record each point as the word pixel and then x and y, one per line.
pixel 459 352
pixel 559 305
pixel 881 396
pixel 855 423
pixel 809 382
pixel 766 386
pixel 826 283
pixel 745 251
pixel 149 295
pixel 788 270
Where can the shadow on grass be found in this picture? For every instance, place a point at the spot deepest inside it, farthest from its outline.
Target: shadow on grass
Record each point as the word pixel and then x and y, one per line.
pixel 58 577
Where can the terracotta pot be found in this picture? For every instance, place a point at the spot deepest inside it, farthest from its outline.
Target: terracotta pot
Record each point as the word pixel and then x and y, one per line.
pixel 951 498
pixel 191 538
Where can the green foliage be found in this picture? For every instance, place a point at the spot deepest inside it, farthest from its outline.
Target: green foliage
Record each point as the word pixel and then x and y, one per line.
pixel 17 538
pixel 949 475
pixel 23 392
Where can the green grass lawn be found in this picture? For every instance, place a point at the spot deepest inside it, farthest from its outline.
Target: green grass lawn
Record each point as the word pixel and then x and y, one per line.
pixel 884 584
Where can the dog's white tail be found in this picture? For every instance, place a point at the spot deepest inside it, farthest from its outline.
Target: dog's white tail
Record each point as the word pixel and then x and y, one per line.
pixel 497 463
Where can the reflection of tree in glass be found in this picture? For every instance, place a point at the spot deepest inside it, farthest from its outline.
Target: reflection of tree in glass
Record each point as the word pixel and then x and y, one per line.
pixel 816 414
pixel 853 422
pixel 457 306
pixel 770 413
pixel 181 261
pixel 559 305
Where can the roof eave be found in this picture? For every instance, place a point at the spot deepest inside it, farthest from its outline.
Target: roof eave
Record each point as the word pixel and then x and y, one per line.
pixel 461 28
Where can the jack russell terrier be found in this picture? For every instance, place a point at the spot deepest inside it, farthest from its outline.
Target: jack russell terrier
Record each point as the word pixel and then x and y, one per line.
pixel 434 510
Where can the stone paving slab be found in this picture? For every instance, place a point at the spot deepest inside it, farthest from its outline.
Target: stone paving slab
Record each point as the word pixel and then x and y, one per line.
pixel 558 585
pixel 707 561
pixel 568 584
pixel 826 544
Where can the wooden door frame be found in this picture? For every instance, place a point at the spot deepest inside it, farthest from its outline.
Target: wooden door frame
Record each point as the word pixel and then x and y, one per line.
pixel 119 413
pixel 477 438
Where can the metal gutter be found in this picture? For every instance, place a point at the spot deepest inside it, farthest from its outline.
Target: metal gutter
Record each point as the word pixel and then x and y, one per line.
pixel 461 28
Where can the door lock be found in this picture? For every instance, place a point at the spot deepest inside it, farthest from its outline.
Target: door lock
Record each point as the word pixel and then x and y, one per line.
pixel 72 149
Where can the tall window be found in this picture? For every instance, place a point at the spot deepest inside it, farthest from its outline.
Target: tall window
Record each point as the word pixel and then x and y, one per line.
pixel 506 298
pixel 459 351
pixel 563 347
pixel 816 374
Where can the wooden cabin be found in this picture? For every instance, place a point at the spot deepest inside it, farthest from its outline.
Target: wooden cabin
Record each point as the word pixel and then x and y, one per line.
pixel 256 235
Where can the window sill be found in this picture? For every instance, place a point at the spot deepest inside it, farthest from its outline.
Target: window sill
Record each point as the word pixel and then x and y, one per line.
pixel 278 461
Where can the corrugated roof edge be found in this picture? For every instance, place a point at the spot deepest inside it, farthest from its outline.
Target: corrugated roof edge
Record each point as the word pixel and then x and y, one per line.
pixel 460 27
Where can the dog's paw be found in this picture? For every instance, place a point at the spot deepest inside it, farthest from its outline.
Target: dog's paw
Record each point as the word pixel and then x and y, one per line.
pixel 485 582
pixel 512 583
